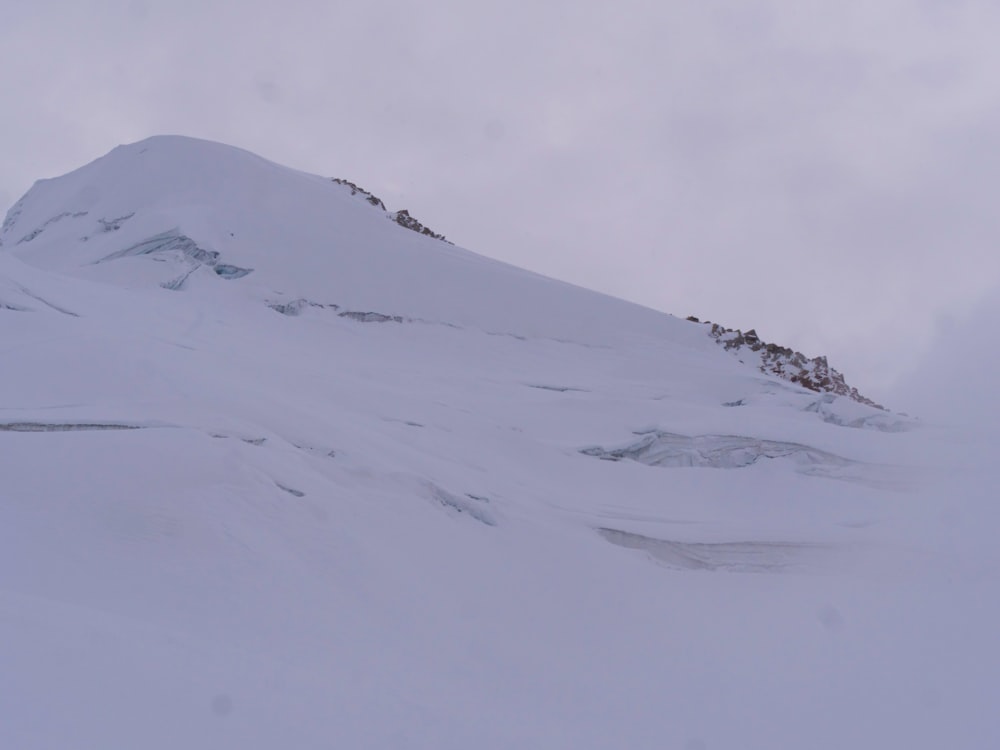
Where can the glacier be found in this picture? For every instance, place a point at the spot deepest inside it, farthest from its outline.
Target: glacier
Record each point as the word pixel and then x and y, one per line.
pixel 236 513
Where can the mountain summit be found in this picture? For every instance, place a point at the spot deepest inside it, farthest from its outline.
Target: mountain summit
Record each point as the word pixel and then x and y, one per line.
pixel 277 470
pixel 173 211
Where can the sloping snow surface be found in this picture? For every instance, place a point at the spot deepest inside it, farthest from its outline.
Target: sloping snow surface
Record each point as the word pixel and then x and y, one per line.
pixel 276 472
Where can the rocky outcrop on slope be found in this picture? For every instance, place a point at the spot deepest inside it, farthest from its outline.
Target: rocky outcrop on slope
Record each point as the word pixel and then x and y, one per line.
pixel 814 374
pixel 355 190
pixel 404 219
pixel 401 217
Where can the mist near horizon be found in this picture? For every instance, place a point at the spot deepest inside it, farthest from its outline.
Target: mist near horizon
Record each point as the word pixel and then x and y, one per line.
pixel 955 381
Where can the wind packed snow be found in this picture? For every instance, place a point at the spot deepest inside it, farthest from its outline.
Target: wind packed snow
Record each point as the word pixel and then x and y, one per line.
pixel 378 491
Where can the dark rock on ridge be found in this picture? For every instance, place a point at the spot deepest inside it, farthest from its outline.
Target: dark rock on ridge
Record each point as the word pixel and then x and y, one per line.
pixel 401 217
pixel 814 374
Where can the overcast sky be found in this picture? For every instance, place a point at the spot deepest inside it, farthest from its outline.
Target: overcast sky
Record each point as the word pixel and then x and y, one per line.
pixel 826 172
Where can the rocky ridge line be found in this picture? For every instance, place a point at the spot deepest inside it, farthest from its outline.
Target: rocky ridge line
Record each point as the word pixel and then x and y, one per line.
pixel 787 364
pixel 401 217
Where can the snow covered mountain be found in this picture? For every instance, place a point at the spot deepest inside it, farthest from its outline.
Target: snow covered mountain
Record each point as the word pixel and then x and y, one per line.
pixel 279 471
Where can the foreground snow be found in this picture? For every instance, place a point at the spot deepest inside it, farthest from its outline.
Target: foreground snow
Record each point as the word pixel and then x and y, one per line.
pixel 233 516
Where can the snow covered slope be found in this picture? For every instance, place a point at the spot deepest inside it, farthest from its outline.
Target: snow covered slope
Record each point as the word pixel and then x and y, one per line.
pixel 278 472
pixel 171 211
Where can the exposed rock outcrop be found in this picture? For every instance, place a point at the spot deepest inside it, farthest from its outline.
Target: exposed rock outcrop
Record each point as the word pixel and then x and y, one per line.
pixel 814 374
pixel 401 217
pixel 404 219
pixel 355 190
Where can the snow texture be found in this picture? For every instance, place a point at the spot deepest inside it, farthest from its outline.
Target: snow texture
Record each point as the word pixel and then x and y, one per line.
pixel 225 527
